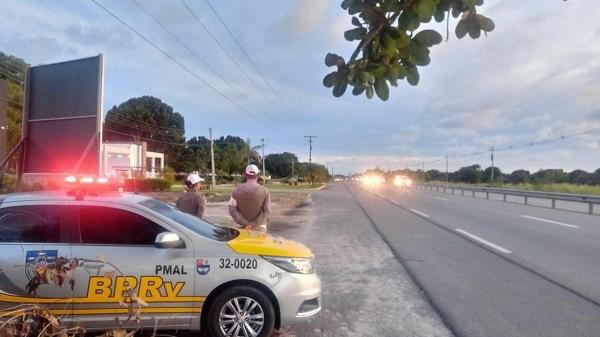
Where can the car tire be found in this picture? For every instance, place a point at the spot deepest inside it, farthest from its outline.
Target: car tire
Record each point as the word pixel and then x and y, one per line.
pixel 241 307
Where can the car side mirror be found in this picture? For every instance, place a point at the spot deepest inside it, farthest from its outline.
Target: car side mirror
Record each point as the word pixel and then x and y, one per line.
pixel 168 240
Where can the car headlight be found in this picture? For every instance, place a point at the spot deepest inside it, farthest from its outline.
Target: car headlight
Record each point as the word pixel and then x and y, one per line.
pixel 301 265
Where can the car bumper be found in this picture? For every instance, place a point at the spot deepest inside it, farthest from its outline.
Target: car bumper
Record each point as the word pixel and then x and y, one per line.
pixel 299 297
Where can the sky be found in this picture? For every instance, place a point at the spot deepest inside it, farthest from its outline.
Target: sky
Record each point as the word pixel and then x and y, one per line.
pixel 535 78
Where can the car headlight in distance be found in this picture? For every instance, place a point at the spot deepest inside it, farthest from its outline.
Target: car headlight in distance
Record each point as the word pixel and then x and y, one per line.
pixel 300 265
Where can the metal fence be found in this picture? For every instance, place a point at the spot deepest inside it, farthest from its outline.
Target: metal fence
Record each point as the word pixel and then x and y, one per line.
pixel 565 201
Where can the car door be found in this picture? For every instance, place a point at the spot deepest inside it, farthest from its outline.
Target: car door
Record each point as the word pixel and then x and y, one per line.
pixel 35 258
pixel 124 277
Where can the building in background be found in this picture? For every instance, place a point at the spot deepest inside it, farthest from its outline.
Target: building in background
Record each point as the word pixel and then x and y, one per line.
pixel 130 160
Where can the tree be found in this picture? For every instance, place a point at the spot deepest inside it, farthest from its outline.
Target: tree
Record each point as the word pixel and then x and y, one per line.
pixel 470 174
pixel 580 177
pixel 487 175
pixel 519 177
pixel 280 164
pixel 151 120
pixel 12 70
pixel 389 45
pixel 550 176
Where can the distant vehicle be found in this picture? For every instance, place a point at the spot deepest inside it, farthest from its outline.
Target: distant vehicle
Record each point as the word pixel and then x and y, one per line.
pixel 402 181
pixel 117 247
pixel 372 180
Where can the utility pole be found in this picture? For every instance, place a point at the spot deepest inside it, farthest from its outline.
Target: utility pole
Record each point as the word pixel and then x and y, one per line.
pixel 423 163
pixel 263 156
pixel 447 180
pixel 492 176
pixel 310 138
pixel 212 159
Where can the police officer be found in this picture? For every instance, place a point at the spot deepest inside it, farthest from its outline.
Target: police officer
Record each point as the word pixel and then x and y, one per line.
pixel 192 201
pixel 250 203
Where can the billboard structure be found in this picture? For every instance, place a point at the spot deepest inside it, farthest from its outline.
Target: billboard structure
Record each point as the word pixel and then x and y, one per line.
pixel 62 118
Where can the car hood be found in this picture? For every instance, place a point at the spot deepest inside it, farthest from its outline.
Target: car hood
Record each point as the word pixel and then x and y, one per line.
pixel 259 243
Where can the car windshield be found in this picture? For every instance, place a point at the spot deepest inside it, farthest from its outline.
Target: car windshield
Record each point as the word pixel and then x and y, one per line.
pixel 191 222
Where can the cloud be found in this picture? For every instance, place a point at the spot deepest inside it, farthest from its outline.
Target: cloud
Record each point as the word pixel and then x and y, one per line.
pixel 305 18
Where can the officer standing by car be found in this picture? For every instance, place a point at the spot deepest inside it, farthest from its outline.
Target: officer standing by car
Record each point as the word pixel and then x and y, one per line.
pixel 192 201
pixel 250 203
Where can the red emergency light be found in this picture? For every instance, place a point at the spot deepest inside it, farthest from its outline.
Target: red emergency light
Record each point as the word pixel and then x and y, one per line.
pixel 79 187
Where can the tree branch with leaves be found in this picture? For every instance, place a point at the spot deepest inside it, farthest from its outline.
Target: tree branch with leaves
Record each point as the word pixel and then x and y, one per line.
pixel 390 48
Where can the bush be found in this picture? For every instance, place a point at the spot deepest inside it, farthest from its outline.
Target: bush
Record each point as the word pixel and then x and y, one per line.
pixel 146 185
pixel 169 175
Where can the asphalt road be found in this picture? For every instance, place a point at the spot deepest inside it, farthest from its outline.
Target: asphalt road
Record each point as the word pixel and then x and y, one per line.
pixel 366 290
pixel 491 268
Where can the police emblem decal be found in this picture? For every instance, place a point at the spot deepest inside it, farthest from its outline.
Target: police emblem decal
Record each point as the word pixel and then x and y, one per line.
pixel 202 266
pixel 38 258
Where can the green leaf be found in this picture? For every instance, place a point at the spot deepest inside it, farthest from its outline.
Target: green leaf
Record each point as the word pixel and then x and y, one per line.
pixel 428 37
pixel 356 21
pixel 408 20
pixel 333 60
pixel 329 79
pixel 461 29
pixel 474 29
pixel 403 41
pixel 381 89
pixel 486 24
pixel 367 78
pixel 456 11
pixel 357 90
pixel 440 13
pixel 340 88
pixel 355 34
pixel 392 32
pixel 425 10
pixel 369 92
pixel 376 69
pixel 397 71
pixel 412 76
pixel 420 53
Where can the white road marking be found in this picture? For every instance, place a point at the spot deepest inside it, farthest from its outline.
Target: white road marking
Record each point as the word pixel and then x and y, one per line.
pixel 438 198
pixel 419 213
pixel 395 202
pixel 485 242
pixel 550 221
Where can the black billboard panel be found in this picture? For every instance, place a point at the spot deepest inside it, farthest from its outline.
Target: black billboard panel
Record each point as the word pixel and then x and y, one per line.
pixel 63 114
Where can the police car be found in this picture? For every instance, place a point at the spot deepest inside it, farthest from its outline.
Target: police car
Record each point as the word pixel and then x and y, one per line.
pixel 83 255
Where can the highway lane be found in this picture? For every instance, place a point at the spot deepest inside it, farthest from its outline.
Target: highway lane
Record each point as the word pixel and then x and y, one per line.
pixel 477 291
pixel 562 245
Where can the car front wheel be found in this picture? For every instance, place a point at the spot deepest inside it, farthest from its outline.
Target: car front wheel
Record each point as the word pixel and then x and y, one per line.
pixel 241 311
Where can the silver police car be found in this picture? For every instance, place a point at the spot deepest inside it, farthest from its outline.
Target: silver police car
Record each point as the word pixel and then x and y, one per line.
pixel 84 256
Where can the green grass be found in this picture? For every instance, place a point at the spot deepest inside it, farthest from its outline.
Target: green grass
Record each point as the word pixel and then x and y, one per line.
pixel 557 188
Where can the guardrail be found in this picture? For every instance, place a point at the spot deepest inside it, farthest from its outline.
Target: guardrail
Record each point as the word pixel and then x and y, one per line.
pixel 590 200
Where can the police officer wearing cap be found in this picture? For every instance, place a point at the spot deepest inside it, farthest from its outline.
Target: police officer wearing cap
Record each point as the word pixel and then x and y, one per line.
pixel 192 201
pixel 250 203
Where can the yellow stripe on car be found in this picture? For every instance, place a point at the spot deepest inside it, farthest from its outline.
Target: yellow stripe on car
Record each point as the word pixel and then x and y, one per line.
pixel 259 243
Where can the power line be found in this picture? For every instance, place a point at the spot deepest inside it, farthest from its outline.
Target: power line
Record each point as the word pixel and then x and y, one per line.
pixel 505 148
pixel 147 129
pixel 119 116
pixel 186 46
pixel 233 59
pixel 147 139
pixel 214 38
pixel 251 61
pixel 182 66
